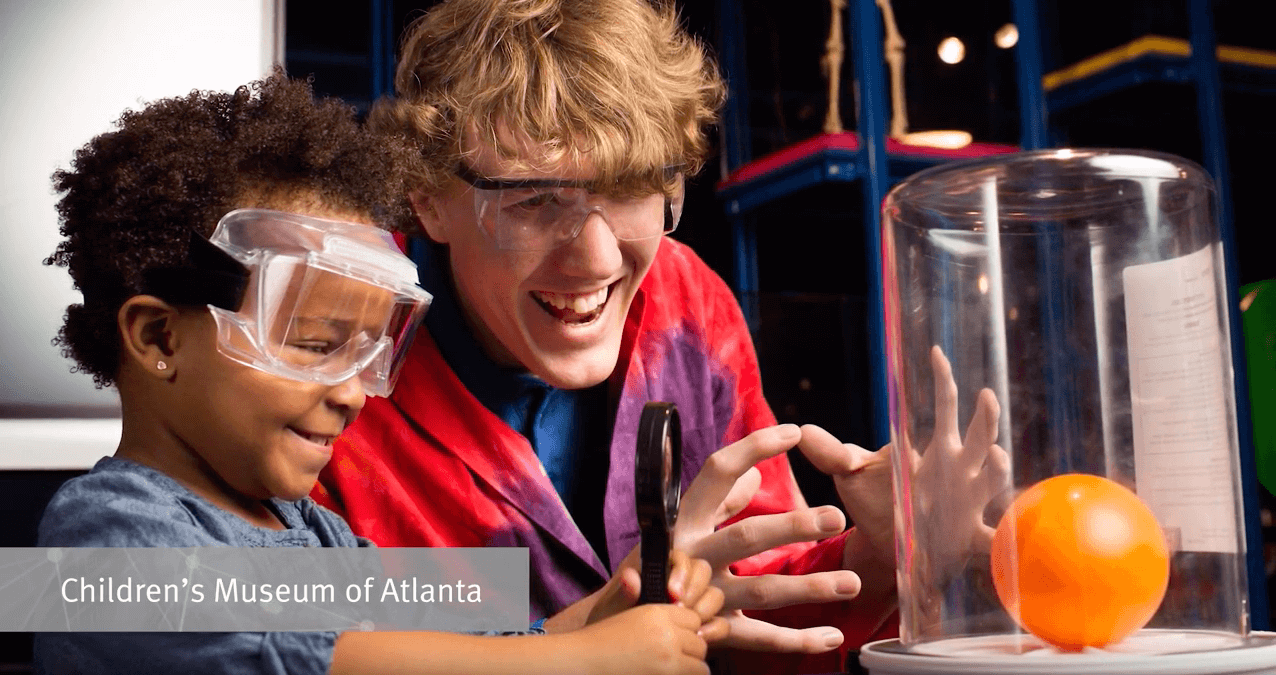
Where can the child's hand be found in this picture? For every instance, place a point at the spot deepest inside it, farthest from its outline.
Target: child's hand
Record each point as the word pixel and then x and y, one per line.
pixel 646 640
pixel 689 586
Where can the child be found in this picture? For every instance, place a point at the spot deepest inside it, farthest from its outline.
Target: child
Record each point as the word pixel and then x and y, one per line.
pixel 238 359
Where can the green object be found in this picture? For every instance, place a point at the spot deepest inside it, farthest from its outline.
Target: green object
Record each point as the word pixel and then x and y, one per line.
pixel 1258 323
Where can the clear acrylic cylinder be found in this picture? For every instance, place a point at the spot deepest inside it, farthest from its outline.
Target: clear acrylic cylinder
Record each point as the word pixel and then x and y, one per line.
pixel 1085 289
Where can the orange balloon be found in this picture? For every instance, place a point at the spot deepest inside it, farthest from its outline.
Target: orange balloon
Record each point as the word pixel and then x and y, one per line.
pixel 1080 561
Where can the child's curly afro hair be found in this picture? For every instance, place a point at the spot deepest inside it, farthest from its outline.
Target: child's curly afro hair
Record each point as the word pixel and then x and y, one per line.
pixel 133 195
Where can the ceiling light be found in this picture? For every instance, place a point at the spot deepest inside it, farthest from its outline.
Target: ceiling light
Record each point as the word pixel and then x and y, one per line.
pixel 1006 37
pixel 951 50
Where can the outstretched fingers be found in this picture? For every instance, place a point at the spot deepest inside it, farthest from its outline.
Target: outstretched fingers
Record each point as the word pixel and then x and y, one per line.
pixel 756 534
pixel 982 432
pixel 832 456
pixel 994 477
pixel 717 479
pixel 769 591
pixel 756 635
pixel 739 497
pixel 945 396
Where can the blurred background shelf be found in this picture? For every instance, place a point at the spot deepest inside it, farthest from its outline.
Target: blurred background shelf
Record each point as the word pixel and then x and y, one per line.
pixel 1155 58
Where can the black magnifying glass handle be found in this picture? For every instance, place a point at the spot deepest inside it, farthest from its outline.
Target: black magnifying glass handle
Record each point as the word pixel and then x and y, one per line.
pixel 658 487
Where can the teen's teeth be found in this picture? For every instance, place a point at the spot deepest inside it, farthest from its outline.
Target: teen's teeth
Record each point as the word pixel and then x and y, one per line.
pixel 580 304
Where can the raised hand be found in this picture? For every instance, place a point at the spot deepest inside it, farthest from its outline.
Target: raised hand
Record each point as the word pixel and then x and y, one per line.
pixel 725 485
pixel 954 479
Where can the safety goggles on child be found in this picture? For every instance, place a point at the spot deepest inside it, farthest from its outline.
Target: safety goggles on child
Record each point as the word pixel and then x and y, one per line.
pixel 304 298
pixel 543 214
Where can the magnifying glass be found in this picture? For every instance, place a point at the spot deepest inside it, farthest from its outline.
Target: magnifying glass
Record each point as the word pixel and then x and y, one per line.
pixel 658 487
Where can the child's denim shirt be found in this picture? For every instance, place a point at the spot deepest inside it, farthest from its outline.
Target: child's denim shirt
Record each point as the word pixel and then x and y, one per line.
pixel 122 503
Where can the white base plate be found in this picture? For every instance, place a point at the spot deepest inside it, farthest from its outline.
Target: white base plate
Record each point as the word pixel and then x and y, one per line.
pixel 1147 652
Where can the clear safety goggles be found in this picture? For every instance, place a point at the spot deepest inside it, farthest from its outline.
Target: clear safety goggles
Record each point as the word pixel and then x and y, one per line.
pixel 306 298
pixel 543 214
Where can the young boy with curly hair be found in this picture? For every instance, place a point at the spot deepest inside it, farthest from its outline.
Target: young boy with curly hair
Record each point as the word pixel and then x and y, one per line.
pixel 239 297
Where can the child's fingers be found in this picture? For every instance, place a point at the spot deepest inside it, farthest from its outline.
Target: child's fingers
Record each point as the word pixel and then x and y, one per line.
pixel 621 594
pixel 628 586
pixel 715 630
pixel 688 665
pixel 694 646
pixel 683 617
pixel 709 603
pixel 696 580
pixel 678 573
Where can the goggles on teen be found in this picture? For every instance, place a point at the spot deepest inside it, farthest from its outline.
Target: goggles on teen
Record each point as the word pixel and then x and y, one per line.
pixel 304 298
pixel 542 214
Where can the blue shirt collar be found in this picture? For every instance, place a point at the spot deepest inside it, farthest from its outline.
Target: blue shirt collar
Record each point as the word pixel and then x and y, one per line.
pixel 570 430
pixel 497 388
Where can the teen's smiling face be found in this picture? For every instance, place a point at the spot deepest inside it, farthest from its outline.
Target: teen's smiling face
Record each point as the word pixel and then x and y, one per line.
pixel 559 313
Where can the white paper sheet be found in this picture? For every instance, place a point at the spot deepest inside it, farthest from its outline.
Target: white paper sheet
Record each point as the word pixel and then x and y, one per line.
pixel 1179 373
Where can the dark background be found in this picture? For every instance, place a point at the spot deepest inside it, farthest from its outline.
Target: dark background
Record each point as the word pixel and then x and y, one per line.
pixel 811 339
pixel 787 92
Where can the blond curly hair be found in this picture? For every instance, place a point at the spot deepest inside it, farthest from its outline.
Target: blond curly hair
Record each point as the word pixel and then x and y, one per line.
pixel 617 81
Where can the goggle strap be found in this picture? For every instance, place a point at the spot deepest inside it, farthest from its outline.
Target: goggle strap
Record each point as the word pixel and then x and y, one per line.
pixel 212 277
